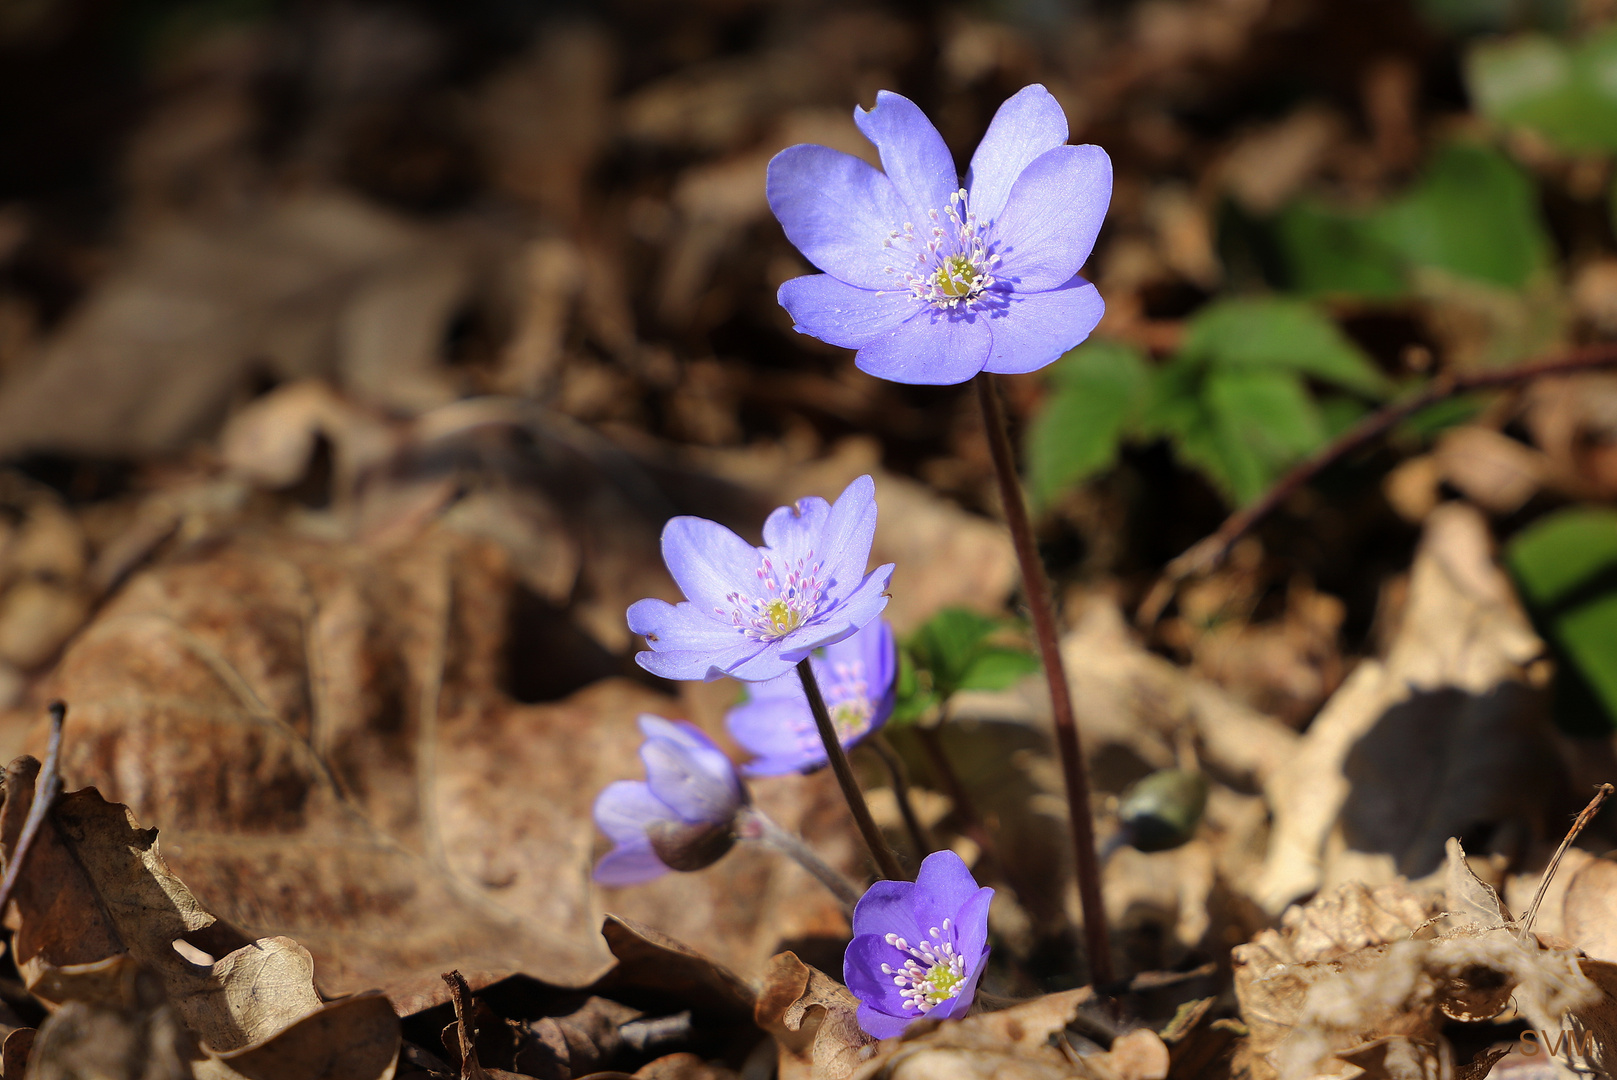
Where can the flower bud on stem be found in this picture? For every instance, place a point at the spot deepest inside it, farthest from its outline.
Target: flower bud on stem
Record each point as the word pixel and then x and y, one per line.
pixel 1086 865
pixel 886 861
pixel 752 824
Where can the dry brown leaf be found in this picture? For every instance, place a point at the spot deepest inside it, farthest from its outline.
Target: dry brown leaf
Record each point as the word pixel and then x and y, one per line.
pixel 99 910
pixel 1440 736
pixel 318 285
pixel 1589 909
pixel 1011 1044
pixel 320 731
pixel 812 1017
pixel 14 1051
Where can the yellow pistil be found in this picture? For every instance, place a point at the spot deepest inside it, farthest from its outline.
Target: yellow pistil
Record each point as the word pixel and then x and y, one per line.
pixel 943 983
pixel 956 277
pixel 781 617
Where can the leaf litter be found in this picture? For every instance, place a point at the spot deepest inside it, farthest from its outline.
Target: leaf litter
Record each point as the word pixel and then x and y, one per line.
pixel 332 467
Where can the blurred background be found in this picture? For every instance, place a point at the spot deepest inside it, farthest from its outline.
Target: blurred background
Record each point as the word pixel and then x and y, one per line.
pixel 262 241
pixel 325 282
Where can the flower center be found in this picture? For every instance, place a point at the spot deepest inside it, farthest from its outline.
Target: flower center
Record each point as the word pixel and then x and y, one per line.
pixel 847 696
pixel 933 974
pixel 949 265
pixel 783 602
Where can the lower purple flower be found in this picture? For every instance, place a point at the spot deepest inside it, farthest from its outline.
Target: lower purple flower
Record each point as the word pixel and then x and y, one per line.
pixel 919 947
pixel 858 677
pixel 681 817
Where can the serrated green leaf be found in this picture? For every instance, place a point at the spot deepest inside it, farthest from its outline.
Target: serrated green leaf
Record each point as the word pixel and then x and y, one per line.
pixel 997 668
pixel 1473 213
pixel 1099 389
pixel 1282 335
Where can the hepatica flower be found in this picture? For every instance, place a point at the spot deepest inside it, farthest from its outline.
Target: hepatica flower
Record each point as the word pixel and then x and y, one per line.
pixel 753 612
pixel 933 281
pixel 857 677
pixel 681 817
pixel 919 947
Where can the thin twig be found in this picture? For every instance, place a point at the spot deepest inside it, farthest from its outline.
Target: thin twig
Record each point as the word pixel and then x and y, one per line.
pixel 1037 588
pixel 901 791
pixel 1207 554
pixel 461 995
pixel 765 831
pixel 886 861
pixel 46 787
pixel 1583 819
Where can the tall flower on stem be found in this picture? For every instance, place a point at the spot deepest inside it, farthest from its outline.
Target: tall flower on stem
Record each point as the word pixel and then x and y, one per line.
pixel 918 947
pixel 755 613
pixel 934 282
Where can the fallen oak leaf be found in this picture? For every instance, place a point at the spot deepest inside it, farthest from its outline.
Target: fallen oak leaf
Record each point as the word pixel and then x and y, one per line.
pixel 100 912
pixel 813 1019
pixel 1010 1044
pixel 321 729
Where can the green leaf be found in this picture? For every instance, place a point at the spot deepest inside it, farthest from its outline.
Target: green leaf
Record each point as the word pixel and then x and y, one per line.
pixel 997 668
pixel 1566 92
pixel 1281 335
pixel 1566 568
pixel 1262 421
pixel 1562 551
pixel 954 650
pixel 1473 213
pixel 1492 16
pixel 1099 387
pixel 1330 253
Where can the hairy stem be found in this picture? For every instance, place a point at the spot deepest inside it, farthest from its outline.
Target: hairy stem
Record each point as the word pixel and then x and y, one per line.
pixel 1073 770
pixel 886 861
pixel 758 826
pixel 901 791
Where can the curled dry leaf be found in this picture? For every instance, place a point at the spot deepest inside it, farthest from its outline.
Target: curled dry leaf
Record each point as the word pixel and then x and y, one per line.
pixel 97 918
pixel 1012 1044
pixel 1443 734
pixel 1347 983
pixel 812 1017
pixel 322 732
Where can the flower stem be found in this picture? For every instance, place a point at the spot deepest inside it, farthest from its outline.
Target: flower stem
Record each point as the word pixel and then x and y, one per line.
pixel 886 861
pixel 901 792
pixel 766 832
pixel 1085 864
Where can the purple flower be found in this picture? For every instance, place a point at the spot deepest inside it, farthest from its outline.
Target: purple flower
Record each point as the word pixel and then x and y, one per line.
pixel 857 677
pixel 918 947
pixel 933 282
pixel 681 817
pixel 753 613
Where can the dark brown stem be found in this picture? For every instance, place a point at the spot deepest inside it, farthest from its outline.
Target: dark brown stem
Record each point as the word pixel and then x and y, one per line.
pixel 46 788
pixel 901 792
pixel 886 861
pixel 1207 554
pixel 1086 865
